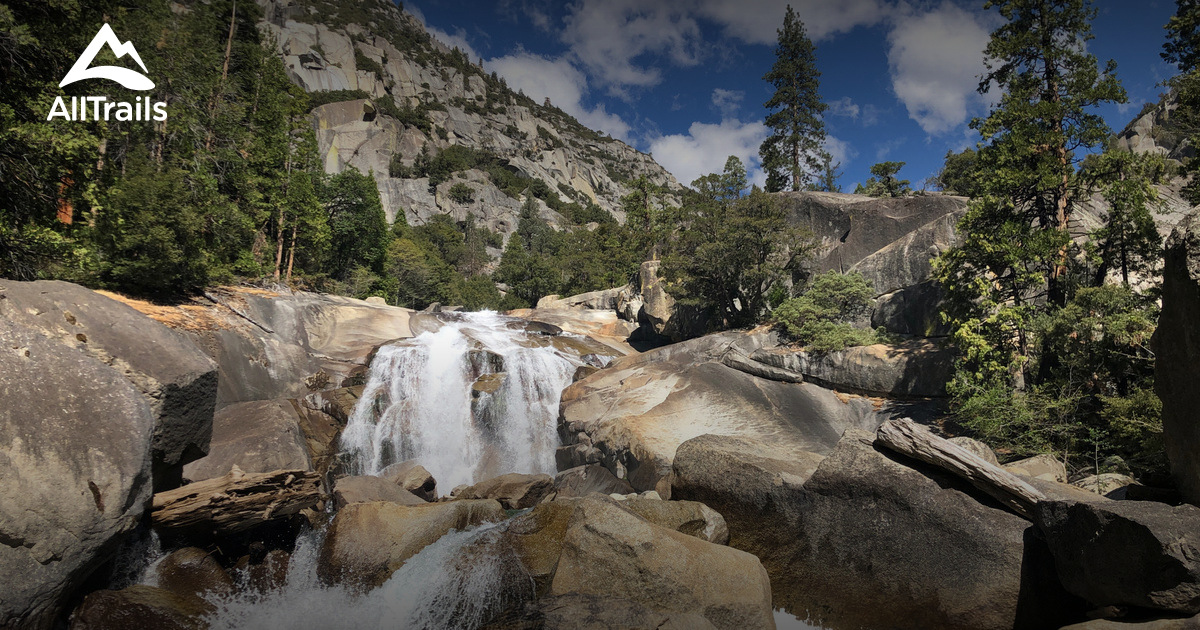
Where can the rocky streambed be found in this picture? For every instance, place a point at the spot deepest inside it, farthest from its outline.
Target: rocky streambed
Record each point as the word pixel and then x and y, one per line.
pixel 258 459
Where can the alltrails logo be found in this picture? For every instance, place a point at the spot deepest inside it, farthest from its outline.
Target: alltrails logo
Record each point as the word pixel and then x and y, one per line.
pixel 100 107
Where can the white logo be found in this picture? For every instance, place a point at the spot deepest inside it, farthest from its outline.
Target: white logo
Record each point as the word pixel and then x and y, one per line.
pixel 126 77
pixel 99 107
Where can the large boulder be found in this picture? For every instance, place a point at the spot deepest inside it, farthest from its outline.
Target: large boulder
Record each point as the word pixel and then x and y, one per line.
pixel 367 488
pixel 413 477
pixel 631 416
pixel 1042 466
pixel 272 345
pixel 367 542
pixel 584 480
pixel 193 572
pixel 257 437
pixel 1176 345
pixel 609 552
pixel 1126 553
pixel 852 228
pixel 75 459
pixel 515 491
pixel 139 606
pixel 911 369
pixel 873 541
pixel 177 379
pixel 914 310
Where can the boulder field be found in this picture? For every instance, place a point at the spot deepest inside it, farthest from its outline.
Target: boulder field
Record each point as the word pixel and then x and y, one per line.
pixel 707 483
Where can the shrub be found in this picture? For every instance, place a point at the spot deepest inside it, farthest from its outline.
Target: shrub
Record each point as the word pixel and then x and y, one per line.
pixel 462 193
pixel 821 318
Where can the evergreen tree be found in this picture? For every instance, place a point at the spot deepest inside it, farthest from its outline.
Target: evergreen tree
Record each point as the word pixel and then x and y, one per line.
pixel 1183 49
pixel 358 227
pixel 793 151
pixel 883 181
pixel 828 174
pixel 1011 264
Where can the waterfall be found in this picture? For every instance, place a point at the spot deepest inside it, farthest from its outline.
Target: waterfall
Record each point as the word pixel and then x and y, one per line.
pixel 476 397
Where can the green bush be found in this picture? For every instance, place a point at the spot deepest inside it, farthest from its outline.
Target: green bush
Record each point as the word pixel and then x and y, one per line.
pixel 821 318
pixel 317 99
pixel 462 193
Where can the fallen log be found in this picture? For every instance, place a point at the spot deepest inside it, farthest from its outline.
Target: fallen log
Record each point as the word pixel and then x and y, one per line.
pixel 235 502
pixel 908 438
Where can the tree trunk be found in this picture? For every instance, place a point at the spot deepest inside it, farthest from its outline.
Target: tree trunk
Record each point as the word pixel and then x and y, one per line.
pixel 908 438
pixel 291 255
pixel 208 137
pixel 236 502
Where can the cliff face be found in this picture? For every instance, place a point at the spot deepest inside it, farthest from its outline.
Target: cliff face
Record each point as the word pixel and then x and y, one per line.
pixel 417 93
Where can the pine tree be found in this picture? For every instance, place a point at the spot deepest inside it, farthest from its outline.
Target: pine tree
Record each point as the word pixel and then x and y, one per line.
pixel 1183 48
pixel 1012 263
pixel 793 151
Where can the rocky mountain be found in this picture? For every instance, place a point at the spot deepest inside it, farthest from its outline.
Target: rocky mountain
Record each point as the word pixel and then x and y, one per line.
pixel 393 95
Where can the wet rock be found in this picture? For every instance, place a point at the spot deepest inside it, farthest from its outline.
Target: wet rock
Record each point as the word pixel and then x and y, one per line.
pixel 178 381
pixel 608 551
pixel 515 491
pixel 192 572
pixel 1132 553
pixel 269 573
pixel 583 480
pixel 367 542
pixel 259 436
pixel 1039 466
pixel 139 606
pixel 413 477
pixel 366 488
pixel 75 461
pixel 1177 355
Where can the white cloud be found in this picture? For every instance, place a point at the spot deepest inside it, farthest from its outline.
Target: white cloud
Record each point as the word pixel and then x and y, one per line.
pixel 727 101
pixel 840 150
pixel 758 21
pixel 608 36
pixel 541 77
pixel 936 59
pixel 843 107
pixel 705 147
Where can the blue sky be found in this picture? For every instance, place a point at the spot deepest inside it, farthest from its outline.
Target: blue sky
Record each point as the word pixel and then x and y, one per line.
pixel 682 79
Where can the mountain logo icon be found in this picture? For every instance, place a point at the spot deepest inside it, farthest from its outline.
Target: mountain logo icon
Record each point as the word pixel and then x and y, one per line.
pixel 129 78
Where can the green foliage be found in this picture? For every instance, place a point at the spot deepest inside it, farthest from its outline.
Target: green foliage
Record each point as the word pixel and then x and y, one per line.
pixel 366 64
pixel 794 150
pixel 960 174
pixel 883 181
pixel 1015 247
pixel 821 318
pixel 358 226
pixel 1183 48
pixel 462 193
pixel 729 257
pixel 317 99
pixel 1128 242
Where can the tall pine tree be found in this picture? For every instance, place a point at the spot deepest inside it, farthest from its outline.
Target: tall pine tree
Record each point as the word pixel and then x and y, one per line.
pixel 793 152
pixel 1012 265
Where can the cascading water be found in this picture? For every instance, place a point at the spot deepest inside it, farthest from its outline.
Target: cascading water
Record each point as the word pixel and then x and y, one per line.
pixel 477 396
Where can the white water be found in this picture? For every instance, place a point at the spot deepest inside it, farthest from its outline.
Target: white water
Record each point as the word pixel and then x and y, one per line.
pixel 458 582
pixel 417 403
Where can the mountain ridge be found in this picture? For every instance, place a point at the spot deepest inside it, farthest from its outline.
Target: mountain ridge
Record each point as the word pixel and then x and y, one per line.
pixel 397 92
